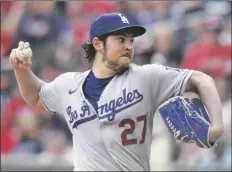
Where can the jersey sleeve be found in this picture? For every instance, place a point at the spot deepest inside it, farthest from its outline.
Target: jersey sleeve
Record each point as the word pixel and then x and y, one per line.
pixel 166 82
pixel 50 94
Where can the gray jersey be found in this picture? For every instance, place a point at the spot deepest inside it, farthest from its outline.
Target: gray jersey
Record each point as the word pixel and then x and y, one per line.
pixel 118 136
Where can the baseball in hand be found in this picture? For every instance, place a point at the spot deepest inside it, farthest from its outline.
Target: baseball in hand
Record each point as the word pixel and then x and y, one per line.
pixel 23 52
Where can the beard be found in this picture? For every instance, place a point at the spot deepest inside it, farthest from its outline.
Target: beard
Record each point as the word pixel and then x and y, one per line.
pixel 114 65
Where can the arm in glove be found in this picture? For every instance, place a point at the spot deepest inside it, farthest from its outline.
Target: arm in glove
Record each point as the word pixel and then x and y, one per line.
pixel 187 121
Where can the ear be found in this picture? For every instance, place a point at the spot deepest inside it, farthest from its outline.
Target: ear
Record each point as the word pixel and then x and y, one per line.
pixel 98 45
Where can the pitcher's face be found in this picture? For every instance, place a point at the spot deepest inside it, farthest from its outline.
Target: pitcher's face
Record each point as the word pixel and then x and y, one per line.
pixel 118 51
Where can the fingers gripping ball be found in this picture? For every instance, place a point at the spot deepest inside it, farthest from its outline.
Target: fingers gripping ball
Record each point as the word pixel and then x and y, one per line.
pixel 23 52
pixel 187 119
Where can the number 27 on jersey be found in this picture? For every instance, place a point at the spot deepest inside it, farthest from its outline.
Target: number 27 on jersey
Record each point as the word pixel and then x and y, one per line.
pixel 132 127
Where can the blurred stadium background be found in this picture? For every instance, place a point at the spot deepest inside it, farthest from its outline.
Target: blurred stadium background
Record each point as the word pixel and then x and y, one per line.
pixel 186 34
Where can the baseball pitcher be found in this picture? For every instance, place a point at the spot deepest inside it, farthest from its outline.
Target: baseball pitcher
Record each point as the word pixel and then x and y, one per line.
pixel 110 108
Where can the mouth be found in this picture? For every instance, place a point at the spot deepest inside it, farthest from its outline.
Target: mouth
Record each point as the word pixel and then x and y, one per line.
pixel 127 55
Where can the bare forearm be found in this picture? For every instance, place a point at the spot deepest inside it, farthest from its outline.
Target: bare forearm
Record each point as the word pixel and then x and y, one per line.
pixel 206 88
pixel 29 85
pixel 211 100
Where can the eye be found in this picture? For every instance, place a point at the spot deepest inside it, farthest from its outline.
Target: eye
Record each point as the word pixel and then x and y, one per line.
pixel 121 39
pixel 132 40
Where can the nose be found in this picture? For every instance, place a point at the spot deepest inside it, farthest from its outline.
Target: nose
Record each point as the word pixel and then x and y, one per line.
pixel 129 45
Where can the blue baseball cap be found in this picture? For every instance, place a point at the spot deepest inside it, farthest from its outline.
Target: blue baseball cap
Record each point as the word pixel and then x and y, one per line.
pixel 111 22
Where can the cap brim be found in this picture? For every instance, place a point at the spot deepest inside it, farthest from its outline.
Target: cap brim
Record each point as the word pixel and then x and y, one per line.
pixel 134 29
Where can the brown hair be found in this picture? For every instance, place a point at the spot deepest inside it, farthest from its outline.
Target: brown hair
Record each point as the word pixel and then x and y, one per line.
pixel 89 49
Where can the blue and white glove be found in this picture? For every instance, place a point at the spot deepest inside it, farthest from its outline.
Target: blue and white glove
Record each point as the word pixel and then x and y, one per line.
pixel 187 120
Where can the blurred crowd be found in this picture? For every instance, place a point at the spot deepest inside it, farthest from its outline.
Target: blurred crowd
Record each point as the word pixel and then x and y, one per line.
pixel 185 34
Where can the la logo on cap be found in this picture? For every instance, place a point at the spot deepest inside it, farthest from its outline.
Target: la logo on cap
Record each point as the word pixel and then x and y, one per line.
pixel 123 18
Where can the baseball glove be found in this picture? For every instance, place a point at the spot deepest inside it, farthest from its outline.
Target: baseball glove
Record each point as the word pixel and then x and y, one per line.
pixel 187 119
